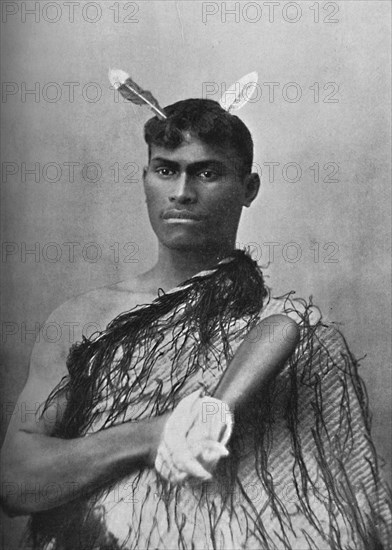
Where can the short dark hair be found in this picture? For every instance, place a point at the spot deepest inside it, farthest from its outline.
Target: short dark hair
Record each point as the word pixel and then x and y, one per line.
pixel 206 120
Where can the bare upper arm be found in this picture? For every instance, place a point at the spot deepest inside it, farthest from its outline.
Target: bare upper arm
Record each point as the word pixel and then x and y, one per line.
pixel 82 316
pixel 47 369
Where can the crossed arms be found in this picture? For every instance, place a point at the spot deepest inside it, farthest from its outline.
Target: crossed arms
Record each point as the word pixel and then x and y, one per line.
pixel 40 471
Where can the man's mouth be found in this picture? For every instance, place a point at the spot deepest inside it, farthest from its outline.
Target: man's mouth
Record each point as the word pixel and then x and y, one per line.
pixel 181 215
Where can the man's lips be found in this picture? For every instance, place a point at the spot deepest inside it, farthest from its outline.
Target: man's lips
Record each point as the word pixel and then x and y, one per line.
pixel 181 215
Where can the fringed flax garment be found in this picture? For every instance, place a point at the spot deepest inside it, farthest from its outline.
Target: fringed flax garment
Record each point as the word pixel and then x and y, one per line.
pixel 302 472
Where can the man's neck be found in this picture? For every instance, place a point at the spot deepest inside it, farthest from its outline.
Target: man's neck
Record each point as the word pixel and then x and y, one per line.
pixel 175 266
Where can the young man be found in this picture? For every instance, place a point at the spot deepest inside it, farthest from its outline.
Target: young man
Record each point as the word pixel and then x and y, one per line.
pixel 126 449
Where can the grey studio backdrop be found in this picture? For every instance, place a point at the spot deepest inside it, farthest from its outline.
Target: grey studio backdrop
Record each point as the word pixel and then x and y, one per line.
pixel 320 122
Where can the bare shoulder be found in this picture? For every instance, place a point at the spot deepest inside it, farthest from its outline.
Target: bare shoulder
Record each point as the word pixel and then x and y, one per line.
pixel 80 316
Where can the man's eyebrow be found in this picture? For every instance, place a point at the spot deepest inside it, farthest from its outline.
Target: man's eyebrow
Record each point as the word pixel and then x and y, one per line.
pixel 162 160
pixel 218 164
pixel 193 166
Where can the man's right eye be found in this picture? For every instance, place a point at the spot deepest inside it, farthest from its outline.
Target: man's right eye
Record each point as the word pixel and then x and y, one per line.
pixel 164 172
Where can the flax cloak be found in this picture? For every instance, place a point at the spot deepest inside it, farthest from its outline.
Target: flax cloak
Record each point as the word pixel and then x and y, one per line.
pixel 302 473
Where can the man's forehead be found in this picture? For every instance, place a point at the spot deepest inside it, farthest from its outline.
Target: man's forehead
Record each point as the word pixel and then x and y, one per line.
pixel 194 150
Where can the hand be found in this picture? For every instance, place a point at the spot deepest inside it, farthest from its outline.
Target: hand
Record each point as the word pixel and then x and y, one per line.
pixel 194 439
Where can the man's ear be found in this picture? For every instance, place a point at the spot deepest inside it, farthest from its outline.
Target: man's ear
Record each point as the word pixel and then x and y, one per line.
pixel 251 188
pixel 145 168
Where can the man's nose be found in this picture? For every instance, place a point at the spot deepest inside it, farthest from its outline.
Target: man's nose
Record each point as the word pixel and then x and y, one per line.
pixel 183 190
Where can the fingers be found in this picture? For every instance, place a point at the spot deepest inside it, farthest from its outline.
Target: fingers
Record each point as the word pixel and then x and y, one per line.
pixel 178 466
pixel 213 421
pixel 213 452
pixel 194 439
pixel 193 467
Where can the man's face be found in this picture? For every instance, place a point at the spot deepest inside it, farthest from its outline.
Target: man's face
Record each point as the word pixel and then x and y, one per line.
pixel 195 195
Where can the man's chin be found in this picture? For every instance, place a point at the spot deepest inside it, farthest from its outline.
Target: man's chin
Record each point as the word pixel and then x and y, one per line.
pixel 184 244
pixel 189 244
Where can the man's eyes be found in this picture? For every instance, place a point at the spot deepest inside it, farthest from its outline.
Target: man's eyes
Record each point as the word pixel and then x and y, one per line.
pixel 205 175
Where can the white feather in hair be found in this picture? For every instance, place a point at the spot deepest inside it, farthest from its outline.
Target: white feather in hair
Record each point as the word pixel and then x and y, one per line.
pixel 128 88
pixel 239 93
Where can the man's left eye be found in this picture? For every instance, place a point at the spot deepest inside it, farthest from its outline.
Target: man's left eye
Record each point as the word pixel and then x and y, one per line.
pixel 208 174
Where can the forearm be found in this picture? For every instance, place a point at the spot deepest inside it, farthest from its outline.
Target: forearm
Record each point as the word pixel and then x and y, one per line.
pixel 41 472
pixel 258 360
pixel 196 435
